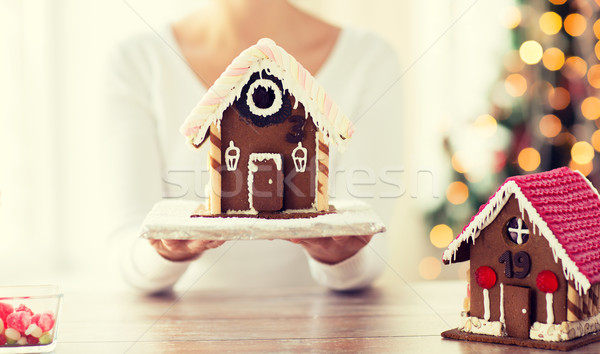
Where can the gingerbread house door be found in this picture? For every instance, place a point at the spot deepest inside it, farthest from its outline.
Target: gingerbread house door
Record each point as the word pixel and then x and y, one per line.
pixel 517 310
pixel 265 181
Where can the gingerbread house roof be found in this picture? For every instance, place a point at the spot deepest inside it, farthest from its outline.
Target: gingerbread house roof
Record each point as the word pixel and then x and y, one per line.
pixel 565 209
pixel 266 55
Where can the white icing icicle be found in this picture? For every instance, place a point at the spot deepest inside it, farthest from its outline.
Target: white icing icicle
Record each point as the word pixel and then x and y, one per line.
pixel 502 302
pixel 549 308
pixel 486 304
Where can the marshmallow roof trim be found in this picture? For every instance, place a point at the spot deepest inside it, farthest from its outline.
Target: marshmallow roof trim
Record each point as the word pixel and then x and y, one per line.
pixel 266 55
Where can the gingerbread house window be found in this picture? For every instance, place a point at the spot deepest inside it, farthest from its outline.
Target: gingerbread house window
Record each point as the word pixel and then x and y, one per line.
pixel 264 101
pixel 517 231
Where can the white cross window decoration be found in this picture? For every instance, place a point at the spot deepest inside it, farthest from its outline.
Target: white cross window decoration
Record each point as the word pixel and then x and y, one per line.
pixel 517 231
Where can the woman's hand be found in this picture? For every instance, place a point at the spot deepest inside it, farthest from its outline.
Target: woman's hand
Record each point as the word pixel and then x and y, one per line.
pixel 332 250
pixel 182 250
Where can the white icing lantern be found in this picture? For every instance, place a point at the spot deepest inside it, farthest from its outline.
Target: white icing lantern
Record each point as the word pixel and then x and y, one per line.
pixel 299 156
pixel 232 156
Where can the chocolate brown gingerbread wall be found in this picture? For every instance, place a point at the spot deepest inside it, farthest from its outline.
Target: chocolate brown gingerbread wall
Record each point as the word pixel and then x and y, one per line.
pixel 494 243
pixel 299 188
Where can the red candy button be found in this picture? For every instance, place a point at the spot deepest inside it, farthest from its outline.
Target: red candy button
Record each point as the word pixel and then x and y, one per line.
pixel 546 281
pixel 485 277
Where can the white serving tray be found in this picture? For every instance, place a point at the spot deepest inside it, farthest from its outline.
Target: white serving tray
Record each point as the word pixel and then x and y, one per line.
pixel 170 219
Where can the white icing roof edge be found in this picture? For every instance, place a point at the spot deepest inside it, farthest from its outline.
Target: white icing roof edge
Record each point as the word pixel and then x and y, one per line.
pixel 491 211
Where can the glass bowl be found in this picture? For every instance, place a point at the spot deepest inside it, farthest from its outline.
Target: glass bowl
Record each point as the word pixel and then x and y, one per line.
pixel 29 318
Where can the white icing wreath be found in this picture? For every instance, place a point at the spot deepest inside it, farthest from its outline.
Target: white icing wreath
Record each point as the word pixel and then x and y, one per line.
pixel 277 102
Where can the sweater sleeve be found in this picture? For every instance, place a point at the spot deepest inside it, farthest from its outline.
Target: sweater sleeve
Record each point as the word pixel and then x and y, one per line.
pixel 134 168
pixel 355 273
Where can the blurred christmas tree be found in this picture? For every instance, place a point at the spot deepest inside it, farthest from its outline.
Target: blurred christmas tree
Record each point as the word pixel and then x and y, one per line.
pixel 544 111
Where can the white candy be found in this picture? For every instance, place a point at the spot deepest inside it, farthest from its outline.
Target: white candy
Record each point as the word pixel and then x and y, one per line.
pixel 13 334
pixel 1 326
pixel 22 341
pixel 34 331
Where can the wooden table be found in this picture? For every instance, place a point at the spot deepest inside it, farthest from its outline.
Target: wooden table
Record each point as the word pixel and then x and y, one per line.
pixel 403 318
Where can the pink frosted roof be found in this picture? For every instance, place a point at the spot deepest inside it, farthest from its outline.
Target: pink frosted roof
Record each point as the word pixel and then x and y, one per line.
pixel 564 207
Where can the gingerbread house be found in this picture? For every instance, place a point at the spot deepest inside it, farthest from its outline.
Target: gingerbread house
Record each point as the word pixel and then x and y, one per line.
pixel 269 125
pixel 534 253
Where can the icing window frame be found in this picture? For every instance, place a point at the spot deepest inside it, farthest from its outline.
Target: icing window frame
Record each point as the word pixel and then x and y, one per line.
pixel 268 85
pixel 517 234
pixel 278 112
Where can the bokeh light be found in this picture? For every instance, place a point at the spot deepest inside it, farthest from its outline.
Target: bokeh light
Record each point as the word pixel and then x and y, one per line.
pixel 458 162
pixel 529 159
pixel 558 2
pixel 485 126
pixel 430 268
pixel 574 67
pixel 553 59
pixel 550 23
pixel 515 85
pixel 474 177
pixel 559 98
pixel 550 125
pixel 441 235
pixel 596 140
pixel 597 28
pixel 575 24
pixel 564 138
pixel 512 17
pixel 531 52
pixel 590 108
pixel 593 76
pixel 597 50
pixel 582 152
pixel 585 169
pixel 457 192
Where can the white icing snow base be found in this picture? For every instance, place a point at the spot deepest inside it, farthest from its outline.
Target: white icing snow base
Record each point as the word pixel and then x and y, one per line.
pixel 170 219
pixel 564 331
pixel 480 326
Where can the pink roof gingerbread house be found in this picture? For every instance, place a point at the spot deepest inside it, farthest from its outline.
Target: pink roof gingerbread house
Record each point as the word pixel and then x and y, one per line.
pixel 534 253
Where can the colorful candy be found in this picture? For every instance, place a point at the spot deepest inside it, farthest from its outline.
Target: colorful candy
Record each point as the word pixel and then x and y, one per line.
pixel 12 334
pixel 5 310
pixel 24 308
pixel 34 331
pixel 20 326
pixel 19 321
pixel 46 338
pixel 45 321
